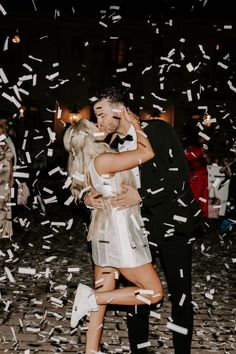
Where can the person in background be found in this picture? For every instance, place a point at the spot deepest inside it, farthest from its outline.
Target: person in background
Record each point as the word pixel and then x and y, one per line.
pixel 168 202
pixel 6 183
pixel 20 187
pixel 227 224
pixel 119 244
pixel 196 156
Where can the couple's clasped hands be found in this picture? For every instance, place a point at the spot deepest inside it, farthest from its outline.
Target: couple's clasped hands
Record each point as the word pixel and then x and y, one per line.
pixel 128 198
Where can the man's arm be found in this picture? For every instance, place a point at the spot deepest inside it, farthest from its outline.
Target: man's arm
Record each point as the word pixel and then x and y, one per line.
pixel 93 200
pixel 128 198
pixel 161 176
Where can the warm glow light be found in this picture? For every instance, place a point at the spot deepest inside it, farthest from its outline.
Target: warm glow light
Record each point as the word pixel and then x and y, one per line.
pixel 206 119
pixel 16 38
pixel 75 117
pixel 21 112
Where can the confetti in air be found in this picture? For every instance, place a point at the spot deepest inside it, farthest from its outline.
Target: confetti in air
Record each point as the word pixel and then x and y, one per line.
pixel 179 61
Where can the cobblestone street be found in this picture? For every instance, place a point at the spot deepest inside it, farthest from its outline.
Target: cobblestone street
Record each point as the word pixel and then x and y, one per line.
pixel 42 265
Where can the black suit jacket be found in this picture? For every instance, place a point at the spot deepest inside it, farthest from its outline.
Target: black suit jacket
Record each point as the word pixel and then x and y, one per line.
pixel 165 188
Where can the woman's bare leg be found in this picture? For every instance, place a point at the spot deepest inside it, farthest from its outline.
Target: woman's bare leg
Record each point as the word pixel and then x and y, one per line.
pixel 104 279
pixel 144 277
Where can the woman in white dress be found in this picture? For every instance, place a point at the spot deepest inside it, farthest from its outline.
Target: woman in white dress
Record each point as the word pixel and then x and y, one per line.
pixel 118 238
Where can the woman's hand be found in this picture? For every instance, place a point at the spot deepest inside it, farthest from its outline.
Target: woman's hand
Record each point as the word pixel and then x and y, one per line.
pixel 131 116
pixel 93 200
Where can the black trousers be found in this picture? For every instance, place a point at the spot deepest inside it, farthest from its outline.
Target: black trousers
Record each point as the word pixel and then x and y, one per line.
pixel 176 260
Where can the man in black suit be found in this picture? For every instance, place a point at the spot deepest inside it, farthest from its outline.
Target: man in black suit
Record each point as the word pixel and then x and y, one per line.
pixel 173 214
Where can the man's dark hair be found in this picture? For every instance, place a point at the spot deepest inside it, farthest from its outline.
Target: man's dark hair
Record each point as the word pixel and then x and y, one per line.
pixel 112 93
pixel 153 112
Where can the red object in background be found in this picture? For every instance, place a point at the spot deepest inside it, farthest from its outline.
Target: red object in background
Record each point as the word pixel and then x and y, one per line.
pixel 198 176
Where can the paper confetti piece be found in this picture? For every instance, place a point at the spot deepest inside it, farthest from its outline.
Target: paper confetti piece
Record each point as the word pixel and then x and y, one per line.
pixel 49 259
pixel 146 292
pixel 182 300
pixel 3 76
pixel 30 271
pixel 69 200
pixel 9 275
pixel 146 69
pixel 144 345
pixel 155 191
pixel 3 11
pixel 155 314
pixel 179 218
pixel 205 136
pixel 73 270
pixel 143 299
pixel 177 328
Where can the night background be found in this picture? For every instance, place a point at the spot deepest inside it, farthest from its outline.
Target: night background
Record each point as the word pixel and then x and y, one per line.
pixel 176 56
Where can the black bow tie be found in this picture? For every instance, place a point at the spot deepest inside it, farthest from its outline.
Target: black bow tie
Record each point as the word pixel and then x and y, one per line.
pixel 122 140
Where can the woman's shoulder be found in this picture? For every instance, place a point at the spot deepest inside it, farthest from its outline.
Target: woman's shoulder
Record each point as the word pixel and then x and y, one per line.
pixel 99 163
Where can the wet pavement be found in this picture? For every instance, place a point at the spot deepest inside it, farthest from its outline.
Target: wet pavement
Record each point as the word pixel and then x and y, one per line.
pixel 45 260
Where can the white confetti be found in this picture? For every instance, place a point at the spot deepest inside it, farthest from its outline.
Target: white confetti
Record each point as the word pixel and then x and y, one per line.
pixel 144 345
pixel 222 65
pixel 190 67
pixel 54 170
pixel 3 76
pixel 9 275
pixel 155 191
pixel 21 174
pixel 3 11
pixel 27 67
pixel 73 270
pixel 121 70
pixel 146 292
pixel 69 200
pixel 146 69
pixel 143 299
pixel 216 182
pixel 34 58
pixel 231 86
pixel 103 24
pixel 189 95
pixel 205 136
pixel 209 296
pixel 177 328
pixel 6 43
pixel 30 271
pixel 179 218
pixel 155 314
pixel 228 26
pixel 182 300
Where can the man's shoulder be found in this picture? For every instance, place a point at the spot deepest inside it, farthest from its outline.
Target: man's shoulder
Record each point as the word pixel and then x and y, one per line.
pixel 160 128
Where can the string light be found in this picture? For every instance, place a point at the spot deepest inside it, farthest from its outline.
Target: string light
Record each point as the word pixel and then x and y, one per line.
pixel 206 119
pixel 75 117
pixel 16 38
pixel 21 112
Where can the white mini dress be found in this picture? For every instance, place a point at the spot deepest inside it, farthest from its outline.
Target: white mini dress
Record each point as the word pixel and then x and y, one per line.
pixel 119 239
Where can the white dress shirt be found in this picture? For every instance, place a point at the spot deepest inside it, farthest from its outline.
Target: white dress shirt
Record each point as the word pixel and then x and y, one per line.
pixel 131 145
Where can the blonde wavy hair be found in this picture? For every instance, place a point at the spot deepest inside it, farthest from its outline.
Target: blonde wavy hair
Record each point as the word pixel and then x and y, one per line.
pixel 81 141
